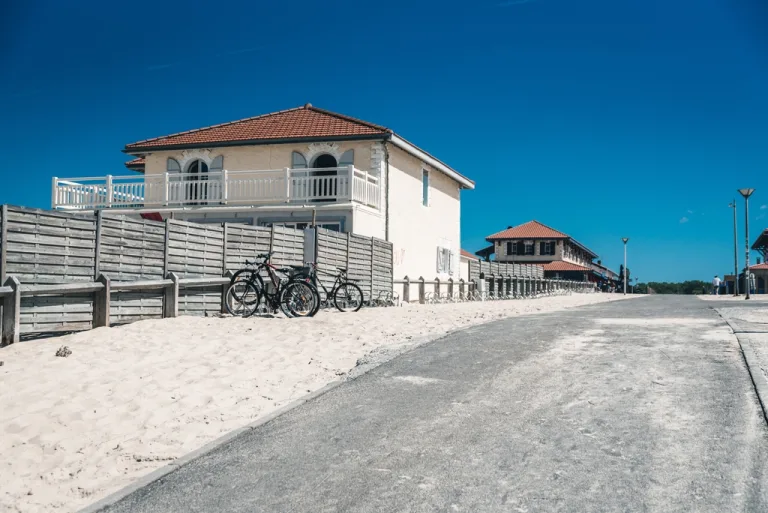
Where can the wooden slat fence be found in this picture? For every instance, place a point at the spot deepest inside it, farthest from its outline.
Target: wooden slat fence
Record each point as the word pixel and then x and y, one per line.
pixel 42 247
pixel 132 250
pixel 368 260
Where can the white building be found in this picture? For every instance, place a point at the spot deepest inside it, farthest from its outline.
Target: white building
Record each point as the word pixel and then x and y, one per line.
pixel 288 168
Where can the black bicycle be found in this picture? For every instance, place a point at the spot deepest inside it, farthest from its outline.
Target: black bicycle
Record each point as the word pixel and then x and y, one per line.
pixel 247 288
pixel 345 294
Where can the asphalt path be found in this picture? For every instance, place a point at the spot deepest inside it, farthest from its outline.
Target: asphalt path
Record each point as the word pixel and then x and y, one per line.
pixel 642 405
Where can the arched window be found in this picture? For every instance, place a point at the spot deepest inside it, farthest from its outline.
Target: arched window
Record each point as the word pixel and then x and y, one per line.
pixel 324 161
pixel 298 161
pixel 217 165
pixel 172 166
pixel 347 158
pixel 197 167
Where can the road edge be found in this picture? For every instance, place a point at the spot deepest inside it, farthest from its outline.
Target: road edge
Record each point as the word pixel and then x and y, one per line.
pixel 359 370
pixel 759 381
pixel 158 474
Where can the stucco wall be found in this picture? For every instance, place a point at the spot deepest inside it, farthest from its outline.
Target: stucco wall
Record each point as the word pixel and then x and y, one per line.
pixel 415 230
pixel 368 222
pixel 258 157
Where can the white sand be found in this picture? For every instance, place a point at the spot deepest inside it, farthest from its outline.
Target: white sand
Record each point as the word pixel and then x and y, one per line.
pixel 131 399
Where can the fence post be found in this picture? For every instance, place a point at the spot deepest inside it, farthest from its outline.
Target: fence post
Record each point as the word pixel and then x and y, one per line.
pixel 11 321
pixel 224 289
pixel 450 287
pixel 461 286
pixel 406 289
pixel 421 290
pixel 224 255
pixel 437 286
pixel 167 246
pixel 101 303
pixel 271 237
pixel 372 253
pixel 171 299
pixel 97 249
pixel 3 240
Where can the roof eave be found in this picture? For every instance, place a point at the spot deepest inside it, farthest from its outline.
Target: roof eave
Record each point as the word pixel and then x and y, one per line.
pixel 135 150
pixel 401 143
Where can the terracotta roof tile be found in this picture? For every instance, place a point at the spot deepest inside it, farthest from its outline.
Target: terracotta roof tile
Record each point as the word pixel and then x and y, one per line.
pixel 564 266
pixel 759 266
pixel 530 230
pixel 137 163
pixel 467 254
pixel 299 123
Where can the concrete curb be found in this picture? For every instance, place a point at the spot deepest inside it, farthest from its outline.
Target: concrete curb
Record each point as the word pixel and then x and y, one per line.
pixel 210 446
pixel 759 381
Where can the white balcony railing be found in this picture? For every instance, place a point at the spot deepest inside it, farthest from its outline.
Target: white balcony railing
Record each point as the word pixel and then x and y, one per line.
pixel 220 188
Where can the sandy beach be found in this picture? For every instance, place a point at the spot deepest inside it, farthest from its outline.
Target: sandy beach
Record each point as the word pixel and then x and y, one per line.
pixel 131 399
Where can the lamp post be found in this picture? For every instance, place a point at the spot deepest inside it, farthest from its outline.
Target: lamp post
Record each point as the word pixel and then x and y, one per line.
pixel 735 252
pixel 746 193
pixel 625 240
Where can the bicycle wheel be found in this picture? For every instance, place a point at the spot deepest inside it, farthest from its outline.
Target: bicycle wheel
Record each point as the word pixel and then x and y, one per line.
pixel 242 299
pixel 243 275
pixel 348 297
pixel 300 298
pixel 304 277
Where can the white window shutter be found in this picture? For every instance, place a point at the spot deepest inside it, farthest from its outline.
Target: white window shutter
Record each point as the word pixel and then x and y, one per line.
pixel 217 164
pixel 347 158
pixel 440 259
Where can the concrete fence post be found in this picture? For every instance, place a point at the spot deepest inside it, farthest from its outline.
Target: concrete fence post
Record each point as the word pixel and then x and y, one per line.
pixel 407 289
pixel 450 287
pixel 437 287
pixel 10 325
pixel 461 286
pixel 171 297
pixel 101 303
pixel 224 289
pixel 422 298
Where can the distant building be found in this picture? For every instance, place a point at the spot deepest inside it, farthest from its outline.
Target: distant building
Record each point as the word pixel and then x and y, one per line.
pixel 561 256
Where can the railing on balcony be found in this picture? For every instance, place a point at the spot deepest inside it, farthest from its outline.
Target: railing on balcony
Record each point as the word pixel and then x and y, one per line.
pixel 220 188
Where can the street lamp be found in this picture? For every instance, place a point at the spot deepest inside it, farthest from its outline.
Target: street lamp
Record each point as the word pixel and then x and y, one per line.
pixel 625 240
pixel 735 252
pixel 746 193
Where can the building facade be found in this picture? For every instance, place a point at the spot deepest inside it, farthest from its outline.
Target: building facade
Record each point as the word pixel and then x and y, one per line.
pixel 560 255
pixel 298 167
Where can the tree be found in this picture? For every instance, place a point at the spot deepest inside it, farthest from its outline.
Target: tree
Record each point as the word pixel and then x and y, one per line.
pixel 621 277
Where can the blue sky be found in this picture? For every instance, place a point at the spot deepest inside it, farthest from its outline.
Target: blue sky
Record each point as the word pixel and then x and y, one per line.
pixel 600 118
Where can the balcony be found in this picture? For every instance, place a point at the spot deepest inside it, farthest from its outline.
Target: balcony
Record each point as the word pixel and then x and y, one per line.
pixel 231 188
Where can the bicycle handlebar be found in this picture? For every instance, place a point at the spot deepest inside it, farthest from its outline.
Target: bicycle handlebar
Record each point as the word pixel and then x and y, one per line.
pixel 264 256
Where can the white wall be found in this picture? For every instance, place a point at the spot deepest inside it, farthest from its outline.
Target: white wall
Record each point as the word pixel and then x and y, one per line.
pixel 415 230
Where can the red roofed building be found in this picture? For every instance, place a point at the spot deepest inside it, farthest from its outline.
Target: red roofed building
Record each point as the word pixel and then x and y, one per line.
pixel 289 168
pixel 533 242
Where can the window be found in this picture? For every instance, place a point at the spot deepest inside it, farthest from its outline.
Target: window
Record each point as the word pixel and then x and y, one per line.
pixel 425 187
pixel 511 248
pixel 217 165
pixel 546 248
pixel 172 166
pixel 347 158
pixel 444 260
pixel 298 161
pixel 333 225
pixel 529 248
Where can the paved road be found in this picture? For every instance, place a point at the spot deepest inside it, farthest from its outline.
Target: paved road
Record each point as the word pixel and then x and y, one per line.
pixel 642 405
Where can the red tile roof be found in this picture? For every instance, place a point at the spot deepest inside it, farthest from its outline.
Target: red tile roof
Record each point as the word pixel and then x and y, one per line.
pixel 467 254
pixel 535 230
pixel 529 230
pixel 759 266
pixel 299 123
pixel 135 163
pixel 564 266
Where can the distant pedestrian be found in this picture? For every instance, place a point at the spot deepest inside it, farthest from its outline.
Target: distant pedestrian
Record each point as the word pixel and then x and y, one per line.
pixel 716 285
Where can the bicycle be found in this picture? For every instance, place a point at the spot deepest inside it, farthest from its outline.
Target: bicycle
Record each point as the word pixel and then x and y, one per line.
pixel 295 298
pixel 347 296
